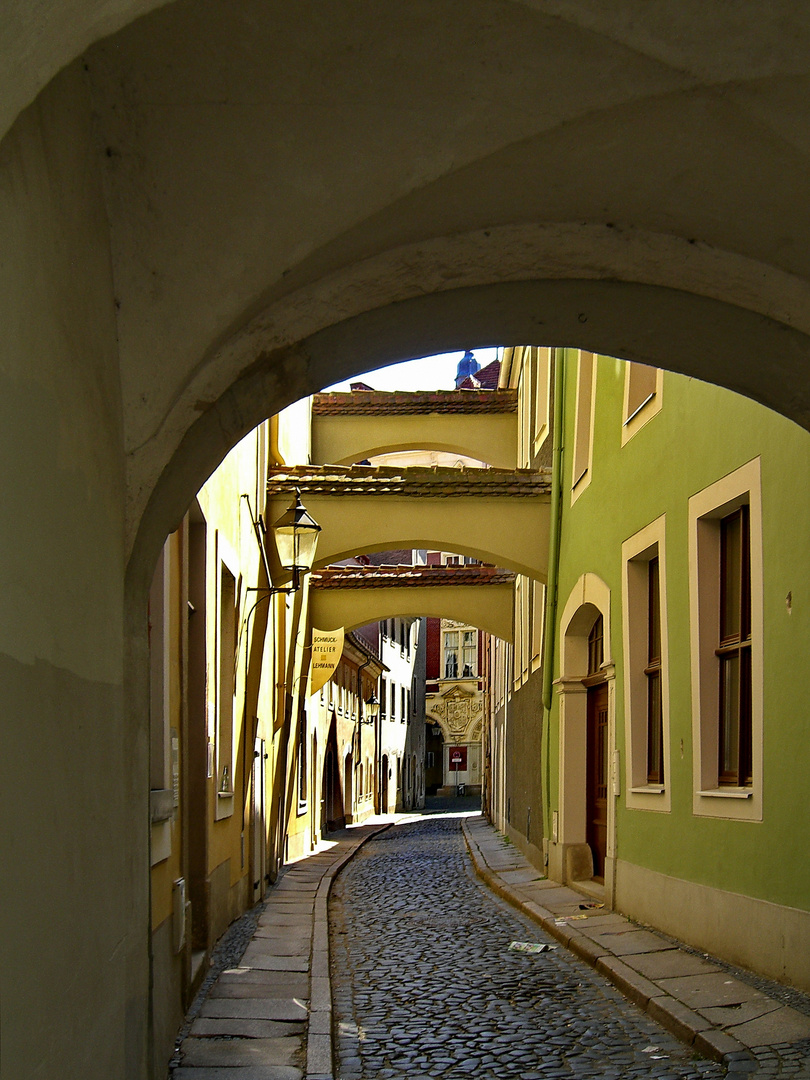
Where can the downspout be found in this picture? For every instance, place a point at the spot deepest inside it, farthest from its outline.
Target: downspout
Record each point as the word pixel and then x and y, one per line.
pixel 360 704
pixel 555 529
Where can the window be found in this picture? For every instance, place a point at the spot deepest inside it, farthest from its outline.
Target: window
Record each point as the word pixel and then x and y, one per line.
pixel 302 763
pixel 642 397
pixel 451 654
pixel 521 631
pixel 734 651
pixel 542 360
pixel 726 607
pixel 460 654
pixel 538 614
pixel 393 702
pixel 655 735
pixel 226 665
pixel 583 424
pixel 645 658
pixel 469 654
pixel 596 646
pixel 383 697
pixel 403 714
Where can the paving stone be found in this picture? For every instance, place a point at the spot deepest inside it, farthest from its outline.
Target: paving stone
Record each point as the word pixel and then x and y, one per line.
pixel 669 964
pixel 255 1009
pixel 276 945
pixel 781 1025
pixel 630 941
pixel 255 990
pixel 250 1072
pixel 231 1053
pixel 425 985
pixel 726 1016
pixel 263 983
pixel 274 917
pixel 705 991
pixel 248 1029
pixel 262 961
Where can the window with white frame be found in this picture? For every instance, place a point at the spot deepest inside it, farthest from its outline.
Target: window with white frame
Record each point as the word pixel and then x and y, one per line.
pixel 726 608
pixel 302 763
pixel 642 397
pixel 542 426
pixel 583 422
pixel 226 657
pixel 460 654
pixel 644 625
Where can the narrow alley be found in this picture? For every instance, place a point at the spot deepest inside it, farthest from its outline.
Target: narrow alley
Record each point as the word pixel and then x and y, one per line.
pixel 388 955
pixel 426 986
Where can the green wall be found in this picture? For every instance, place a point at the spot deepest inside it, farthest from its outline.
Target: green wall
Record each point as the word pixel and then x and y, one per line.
pixel 701 434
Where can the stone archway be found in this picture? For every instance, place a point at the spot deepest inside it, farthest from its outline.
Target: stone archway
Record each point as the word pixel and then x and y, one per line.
pixel 222 278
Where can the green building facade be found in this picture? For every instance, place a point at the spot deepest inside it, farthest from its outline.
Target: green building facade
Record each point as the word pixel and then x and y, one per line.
pixel 674 748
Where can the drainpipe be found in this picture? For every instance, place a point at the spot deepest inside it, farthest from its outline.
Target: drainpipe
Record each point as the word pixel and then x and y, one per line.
pixel 553 569
pixel 360 704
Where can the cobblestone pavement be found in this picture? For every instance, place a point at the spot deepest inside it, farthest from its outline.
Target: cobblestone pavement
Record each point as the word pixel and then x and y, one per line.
pixel 425 986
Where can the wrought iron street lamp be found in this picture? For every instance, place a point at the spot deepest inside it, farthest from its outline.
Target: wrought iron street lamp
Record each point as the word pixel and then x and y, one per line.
pixel 296 537
pixel 371 709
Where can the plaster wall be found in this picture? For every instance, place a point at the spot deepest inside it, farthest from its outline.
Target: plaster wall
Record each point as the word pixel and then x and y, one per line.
pixel 246 280
pixel 344 440
pixel 523 780
pixel 75 798
pixel 633 485
pixel 353 525
pixel 710 919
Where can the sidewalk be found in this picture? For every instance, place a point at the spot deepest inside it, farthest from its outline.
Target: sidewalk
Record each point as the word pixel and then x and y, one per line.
pixel 270 1018
pixel 700 1002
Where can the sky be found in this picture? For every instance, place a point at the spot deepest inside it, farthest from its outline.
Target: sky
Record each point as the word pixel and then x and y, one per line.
pixel 429 373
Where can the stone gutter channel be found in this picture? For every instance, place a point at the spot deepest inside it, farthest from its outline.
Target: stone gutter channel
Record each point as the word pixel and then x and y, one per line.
pixel 268 1016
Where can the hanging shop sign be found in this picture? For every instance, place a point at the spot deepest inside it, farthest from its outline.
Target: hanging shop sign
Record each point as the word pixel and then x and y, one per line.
pixel 327 649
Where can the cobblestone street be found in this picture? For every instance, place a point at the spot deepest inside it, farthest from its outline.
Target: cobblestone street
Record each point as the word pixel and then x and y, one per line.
pixel 426 986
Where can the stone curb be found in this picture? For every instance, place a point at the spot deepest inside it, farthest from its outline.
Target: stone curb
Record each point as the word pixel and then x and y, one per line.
pixel 319 1044
pixel 686 1025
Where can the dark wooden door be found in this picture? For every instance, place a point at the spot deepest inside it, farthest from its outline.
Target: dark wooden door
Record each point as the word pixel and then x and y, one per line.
pixel 597 773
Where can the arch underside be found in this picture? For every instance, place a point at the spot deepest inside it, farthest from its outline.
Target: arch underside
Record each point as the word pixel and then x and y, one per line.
pixel 695 335
pixel 489 607
pixel 278 223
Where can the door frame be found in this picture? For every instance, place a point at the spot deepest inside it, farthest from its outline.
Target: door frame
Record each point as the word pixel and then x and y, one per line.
pixel 570 856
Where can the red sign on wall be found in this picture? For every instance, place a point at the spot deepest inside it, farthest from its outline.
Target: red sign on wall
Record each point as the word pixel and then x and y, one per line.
pixel 458 758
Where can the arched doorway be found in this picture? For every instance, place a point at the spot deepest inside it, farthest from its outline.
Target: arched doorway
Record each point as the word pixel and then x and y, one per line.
pixel 348 788
pixel 333 813
pixel 581 847
pixel 384 784
pixel 434 758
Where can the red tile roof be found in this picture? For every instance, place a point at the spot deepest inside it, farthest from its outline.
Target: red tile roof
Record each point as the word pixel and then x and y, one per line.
pixel 414 481
pixel 486 378
pixel 419 403
pixel 386 577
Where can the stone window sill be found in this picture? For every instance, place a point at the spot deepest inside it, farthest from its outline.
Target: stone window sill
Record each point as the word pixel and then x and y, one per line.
pixel 726 793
